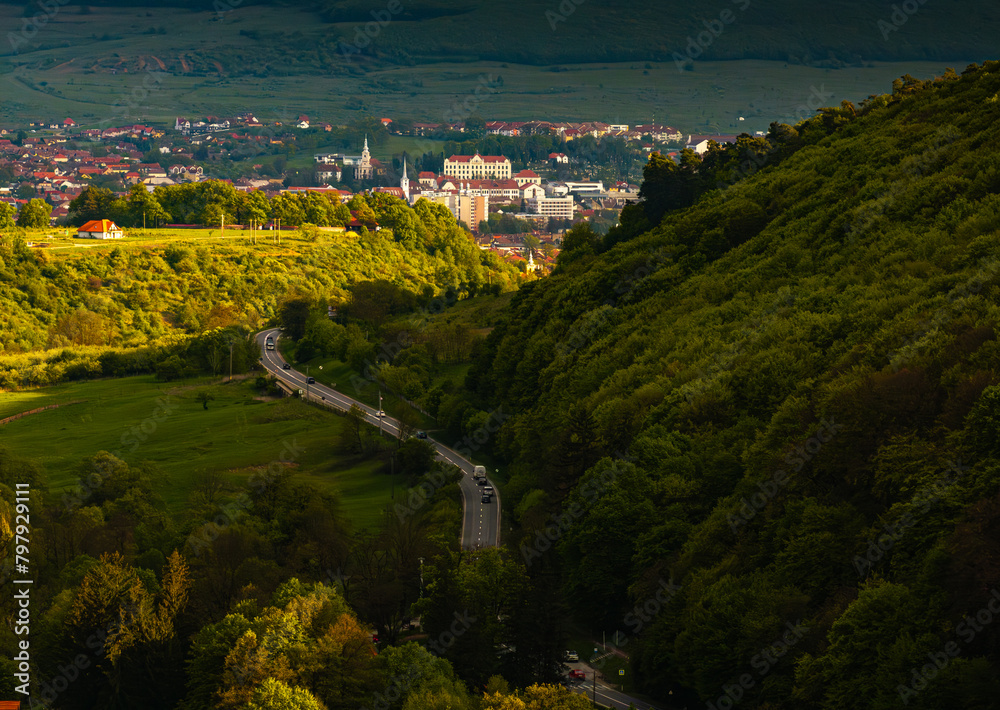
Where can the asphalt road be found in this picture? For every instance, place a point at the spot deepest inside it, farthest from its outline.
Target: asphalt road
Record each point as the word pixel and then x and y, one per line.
pixel 606 695
pixel 480 522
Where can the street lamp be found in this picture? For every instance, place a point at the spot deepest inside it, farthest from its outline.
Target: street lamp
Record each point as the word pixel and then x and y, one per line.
pixel 378 414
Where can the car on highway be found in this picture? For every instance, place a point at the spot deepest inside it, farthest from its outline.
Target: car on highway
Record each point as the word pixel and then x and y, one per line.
pixel 311 380
pixel 286 366
pixel 480 481
pixel 421 434
pixel 488 491
pixel 486 498
pixel 380 413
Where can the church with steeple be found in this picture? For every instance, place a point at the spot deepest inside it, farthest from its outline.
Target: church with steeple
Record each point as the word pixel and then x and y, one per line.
pixel 365 171
pixel 404 182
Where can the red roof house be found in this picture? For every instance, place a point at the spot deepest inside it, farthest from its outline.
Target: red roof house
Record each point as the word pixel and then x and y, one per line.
pixel 100 229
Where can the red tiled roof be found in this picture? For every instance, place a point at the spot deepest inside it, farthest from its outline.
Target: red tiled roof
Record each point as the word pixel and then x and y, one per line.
pixel 99 225
pixel 485 158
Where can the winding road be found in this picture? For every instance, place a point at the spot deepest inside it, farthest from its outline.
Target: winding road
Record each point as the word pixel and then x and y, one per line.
pixel 480 521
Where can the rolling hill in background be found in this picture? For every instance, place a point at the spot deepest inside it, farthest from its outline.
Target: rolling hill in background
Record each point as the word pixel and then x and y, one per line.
pixel 699 68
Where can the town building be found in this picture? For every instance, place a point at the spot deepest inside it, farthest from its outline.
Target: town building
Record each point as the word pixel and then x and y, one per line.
pixel 558 207
pixel 365 169
pixel 477 167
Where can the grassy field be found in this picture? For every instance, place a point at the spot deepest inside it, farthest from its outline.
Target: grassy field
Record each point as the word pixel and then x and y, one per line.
pixel 234 435
pixel 94 67
pixel 61 241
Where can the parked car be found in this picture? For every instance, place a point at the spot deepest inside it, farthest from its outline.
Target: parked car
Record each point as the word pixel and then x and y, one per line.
pixel 578 675
pixel 572 656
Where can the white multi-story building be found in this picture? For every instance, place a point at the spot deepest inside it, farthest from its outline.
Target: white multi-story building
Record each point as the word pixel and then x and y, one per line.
pixel 558 207
pixel 477 167
pixel 471 209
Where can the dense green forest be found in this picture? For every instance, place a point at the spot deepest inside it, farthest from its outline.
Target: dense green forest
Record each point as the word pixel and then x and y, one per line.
pixel 779 403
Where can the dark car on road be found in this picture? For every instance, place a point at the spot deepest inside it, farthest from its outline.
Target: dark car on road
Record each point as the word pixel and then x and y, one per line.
pixel 486 499
pixel 311 380
pixel 421 434
pixel 286 366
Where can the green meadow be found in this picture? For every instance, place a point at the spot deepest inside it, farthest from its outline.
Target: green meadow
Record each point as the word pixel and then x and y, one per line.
pixel 164 424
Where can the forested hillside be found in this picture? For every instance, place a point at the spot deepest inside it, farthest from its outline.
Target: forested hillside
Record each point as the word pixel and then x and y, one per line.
pixel 780 403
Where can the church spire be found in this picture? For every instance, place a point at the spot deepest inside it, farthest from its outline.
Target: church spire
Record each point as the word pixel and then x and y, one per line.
pixel 404 183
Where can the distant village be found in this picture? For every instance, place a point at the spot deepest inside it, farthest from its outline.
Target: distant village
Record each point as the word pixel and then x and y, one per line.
pixel 57 160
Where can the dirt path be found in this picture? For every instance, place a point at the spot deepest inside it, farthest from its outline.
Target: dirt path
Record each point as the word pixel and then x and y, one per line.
pixel 37 410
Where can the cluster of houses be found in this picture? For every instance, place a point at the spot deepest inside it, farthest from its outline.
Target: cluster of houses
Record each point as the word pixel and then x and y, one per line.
pixel 471 186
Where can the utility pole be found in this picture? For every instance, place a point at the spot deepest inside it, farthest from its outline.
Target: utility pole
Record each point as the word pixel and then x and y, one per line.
pixel 378 414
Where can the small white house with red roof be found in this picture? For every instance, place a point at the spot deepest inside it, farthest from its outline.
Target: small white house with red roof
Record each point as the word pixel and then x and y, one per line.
pixel 100 229
pixel 527 177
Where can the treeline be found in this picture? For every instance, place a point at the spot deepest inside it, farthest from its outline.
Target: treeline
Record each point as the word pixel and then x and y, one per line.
pixel 775 466
pixel 213 203
pixel 170 358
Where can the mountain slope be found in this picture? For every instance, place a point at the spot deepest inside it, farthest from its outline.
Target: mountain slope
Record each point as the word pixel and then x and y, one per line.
pixel 803 409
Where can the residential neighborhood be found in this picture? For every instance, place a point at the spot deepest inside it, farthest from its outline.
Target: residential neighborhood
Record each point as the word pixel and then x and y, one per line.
pixel 56 160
